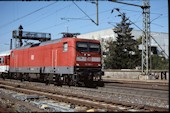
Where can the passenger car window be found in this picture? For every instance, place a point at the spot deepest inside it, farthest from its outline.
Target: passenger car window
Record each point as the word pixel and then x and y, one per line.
pixel 1 60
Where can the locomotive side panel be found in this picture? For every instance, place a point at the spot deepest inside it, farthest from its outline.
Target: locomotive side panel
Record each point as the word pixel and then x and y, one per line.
pixel 56 58
pixel 46 56
pixel 64 57
pixel 25 58
pixel 16 60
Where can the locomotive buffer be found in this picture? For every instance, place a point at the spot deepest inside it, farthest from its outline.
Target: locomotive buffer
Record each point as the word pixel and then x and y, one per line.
pixel 19 35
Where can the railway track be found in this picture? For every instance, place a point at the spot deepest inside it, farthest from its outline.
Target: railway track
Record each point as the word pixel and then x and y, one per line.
pixel 138 84
pixel 73 100
pixel 97 102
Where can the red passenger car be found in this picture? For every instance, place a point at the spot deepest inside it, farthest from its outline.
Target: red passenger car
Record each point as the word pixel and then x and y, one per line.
pixel 4 63
pixel 69 60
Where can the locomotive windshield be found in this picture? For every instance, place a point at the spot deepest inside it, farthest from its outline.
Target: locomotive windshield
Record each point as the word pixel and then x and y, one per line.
pixel 87 47
pixel 82 46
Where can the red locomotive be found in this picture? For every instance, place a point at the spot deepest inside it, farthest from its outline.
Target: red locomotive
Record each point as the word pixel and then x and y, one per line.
pixel 68 60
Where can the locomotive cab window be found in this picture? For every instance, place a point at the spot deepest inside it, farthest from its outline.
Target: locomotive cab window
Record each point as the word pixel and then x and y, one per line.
pixel 87 47
pixel 94 47
pixel 82 46
pixel 65 47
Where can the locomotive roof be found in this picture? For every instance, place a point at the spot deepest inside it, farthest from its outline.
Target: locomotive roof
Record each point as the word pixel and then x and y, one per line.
pixel 5 53
pixel 23 47
pixel 48 42
pixel 39 44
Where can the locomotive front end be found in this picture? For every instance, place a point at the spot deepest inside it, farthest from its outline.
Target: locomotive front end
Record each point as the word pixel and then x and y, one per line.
pixel 89 61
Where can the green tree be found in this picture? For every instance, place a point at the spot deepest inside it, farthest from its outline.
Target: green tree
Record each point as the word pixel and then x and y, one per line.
pixel 124 52
pixel 159 62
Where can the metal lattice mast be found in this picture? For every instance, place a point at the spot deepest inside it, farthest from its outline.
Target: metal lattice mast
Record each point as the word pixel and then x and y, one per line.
pixel 146 41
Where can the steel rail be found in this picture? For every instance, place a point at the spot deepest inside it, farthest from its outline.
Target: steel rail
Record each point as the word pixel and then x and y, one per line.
pixel 81 100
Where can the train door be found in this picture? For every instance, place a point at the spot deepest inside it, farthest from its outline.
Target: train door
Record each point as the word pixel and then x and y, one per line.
pixel 1 65
pixel 7 63
pixel 16 63
pixel 56 76
pixel 54 58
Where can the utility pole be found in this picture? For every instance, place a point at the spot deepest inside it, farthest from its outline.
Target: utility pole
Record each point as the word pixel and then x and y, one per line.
pixel 20 35
pixel 146 40
pixel 10 44
pixel 97 13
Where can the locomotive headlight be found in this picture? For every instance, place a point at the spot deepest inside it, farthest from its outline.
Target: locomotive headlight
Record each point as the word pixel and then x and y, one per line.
pixel 77 65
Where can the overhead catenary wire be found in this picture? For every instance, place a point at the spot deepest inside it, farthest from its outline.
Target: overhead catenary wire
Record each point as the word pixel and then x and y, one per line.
pixel 2 26
pixel 159 46
pixel 159 16
pixel 75 18
pixel 144 32
pixel 122 9
pixel 38 20
pixel 92 14
pixel 49 27
pixel 155 18
pixel 83 18
pixel 139 11
pixel 85 13
pixel 157 25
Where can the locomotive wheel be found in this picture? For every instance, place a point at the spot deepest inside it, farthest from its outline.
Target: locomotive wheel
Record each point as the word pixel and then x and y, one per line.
pixel 90 84
pixel 41 79
pixel 100 83
pixel 3 76
pixel 21 77
pixel 46 80
pixel 76 84
pixel 29 79
pixel 57 81
pixel 26 77
pixel 68 80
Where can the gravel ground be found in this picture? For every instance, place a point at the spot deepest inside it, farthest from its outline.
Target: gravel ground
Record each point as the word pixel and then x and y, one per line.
pixel 12 104
pixel 113 96
pixel 11 101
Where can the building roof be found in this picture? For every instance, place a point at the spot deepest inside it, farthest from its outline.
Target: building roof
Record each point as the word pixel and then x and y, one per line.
pixel 158 38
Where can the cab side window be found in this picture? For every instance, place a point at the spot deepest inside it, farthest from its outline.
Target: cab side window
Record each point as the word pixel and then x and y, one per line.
pixel 65 47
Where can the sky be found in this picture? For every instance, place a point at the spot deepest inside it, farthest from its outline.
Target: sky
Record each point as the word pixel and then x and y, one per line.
pixel 60 16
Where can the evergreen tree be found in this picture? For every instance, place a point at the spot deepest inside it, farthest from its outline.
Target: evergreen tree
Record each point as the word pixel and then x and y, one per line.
pixel 124 52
